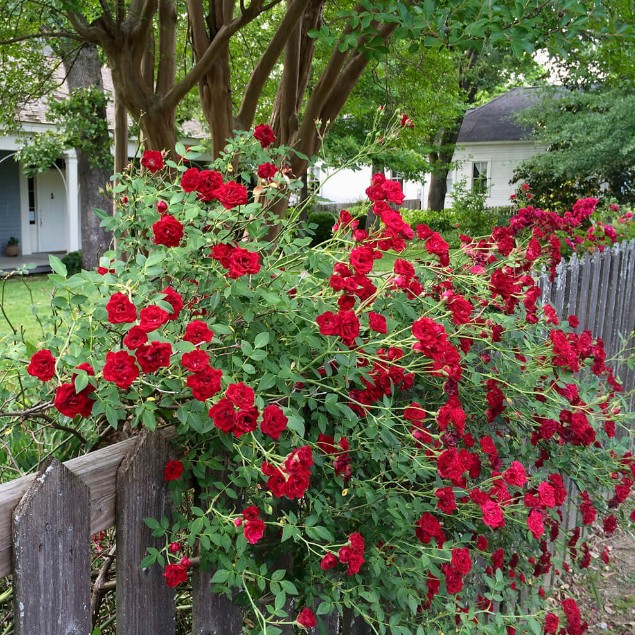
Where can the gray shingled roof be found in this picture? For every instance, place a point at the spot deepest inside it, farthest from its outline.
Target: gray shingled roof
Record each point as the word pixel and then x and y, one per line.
pixel 494 121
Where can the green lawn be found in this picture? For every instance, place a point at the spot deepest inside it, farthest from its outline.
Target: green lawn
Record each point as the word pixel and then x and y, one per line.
pixel 19 297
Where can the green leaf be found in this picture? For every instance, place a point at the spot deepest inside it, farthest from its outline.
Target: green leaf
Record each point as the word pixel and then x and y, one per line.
pixel 262 339
pixel 81 381
pixel 155 258
pixel 220 576
pixel 58 266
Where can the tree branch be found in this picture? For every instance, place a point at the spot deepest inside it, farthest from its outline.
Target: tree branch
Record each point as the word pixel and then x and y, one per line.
pixel 267 61
pixel 167 47
pixel 39 35
pixel 200 39
pixel 216 47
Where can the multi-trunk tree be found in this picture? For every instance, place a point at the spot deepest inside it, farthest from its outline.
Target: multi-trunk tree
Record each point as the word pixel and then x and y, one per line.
pixel 140 41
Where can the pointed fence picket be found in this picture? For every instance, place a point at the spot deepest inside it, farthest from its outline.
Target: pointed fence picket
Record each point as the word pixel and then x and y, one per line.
pixel 46 520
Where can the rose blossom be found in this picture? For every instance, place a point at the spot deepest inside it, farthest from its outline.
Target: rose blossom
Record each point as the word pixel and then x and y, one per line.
pixel 231 194
pixel 152 317
pixel 120 309
pixel 274 421
pixel 198 332
pixel 175 574
pixel 189 180
pixel 121 369
pixel 264 134
pixel 173 470
pixel 42 365
pixel 306 618
pixel 167 231
pixel 152 160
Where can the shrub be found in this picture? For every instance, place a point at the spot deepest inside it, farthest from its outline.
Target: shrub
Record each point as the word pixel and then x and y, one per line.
pixel 323 229
pixel 443 221
pixel 396 439
pixel 73 262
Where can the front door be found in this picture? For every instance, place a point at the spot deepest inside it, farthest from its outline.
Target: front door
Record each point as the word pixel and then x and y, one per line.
pixel 52 223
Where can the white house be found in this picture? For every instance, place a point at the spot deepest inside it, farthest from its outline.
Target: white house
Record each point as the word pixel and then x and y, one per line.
pixel 43 211
pixel 491 144
pixel 349 186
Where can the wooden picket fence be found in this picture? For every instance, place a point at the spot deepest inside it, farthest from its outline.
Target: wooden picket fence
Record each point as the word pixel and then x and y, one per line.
pixel 599 289
pixel 47 520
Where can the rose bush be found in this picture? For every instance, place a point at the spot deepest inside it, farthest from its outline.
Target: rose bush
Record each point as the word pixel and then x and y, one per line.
pixel 390 443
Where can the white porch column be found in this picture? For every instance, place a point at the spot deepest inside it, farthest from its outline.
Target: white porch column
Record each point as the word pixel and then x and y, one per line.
pixel 72 203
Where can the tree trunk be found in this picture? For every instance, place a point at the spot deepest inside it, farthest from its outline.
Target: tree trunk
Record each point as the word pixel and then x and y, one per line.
pixel 84 71
pixel 438 190
pixel 441 161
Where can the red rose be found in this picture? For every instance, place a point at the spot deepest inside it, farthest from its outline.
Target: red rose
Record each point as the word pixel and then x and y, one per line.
pixel 273 421
pixel 42 365
pixel 245 420
pixel 393 192
pixel 120 368
pixel 243 262
pixel 167 231
pixel 175 300
pixel 198 332
pixel 162 207
pixel 241 395
pixel 175 574
pixel 406 122
pixel 196 361
pixel 222 252
pixel 232 194
pixel 135 338
pixel 264 134
pixel 453 579
pixel 189 180
pixel 492 515
pixel 515 474
pixel 120 309
pixel 551 623
pixel 222 414
pixel 71 403
pixel 437 246
pixel 328 562
pixel 267 171
pixel 362 259
pixel 254 530
pixel 153 356
pixel 447 500
pixel 461 560
pixel 208 182
pixel 173 470
pixel 349 326
pixel 251 513
pixel 328 323
pixel 204 384
pixel 152 160
pixel 377 322
pixel 306 618
pixel 152 317
pixel 535 522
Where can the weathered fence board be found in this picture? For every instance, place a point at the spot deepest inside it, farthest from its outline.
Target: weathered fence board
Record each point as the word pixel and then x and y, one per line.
pixel 51 555
pixel 97 470
pixel 212 614
pixel 145 603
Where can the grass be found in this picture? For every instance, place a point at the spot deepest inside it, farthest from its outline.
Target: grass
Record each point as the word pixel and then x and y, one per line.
pixel 20 297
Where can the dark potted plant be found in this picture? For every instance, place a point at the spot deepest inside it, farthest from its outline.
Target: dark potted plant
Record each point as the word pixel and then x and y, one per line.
pixel 12 248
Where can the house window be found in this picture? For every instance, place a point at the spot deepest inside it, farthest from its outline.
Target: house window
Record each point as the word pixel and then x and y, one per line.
pixel 397 176
pixel 31 189
pixel 449 183
pixel 313 180
pixel 480 177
